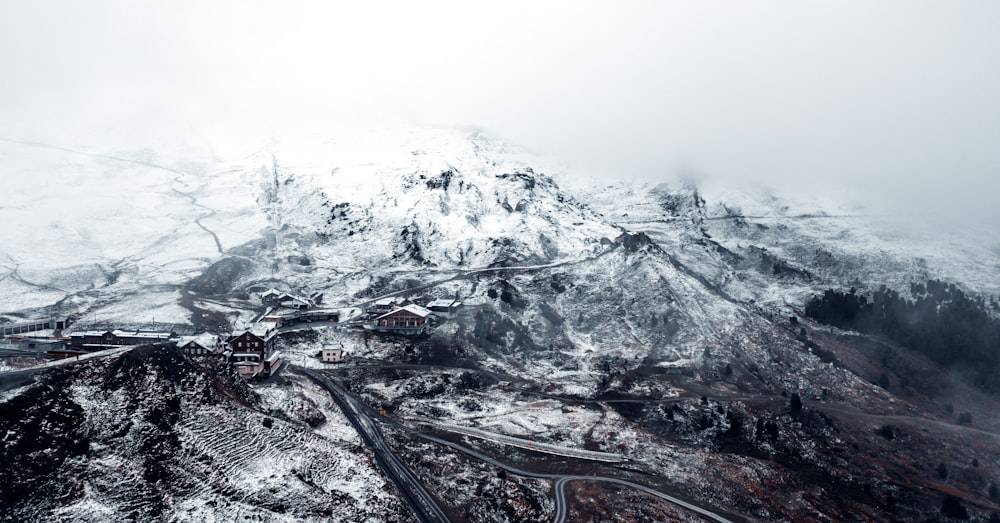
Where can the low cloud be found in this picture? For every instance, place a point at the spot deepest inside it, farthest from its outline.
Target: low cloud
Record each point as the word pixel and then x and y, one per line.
pixel 895 101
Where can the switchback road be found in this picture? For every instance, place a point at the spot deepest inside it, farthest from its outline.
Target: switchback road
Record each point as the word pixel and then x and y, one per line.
pixel 357 410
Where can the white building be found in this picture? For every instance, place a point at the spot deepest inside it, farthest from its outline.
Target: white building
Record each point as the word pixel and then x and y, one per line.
pixel 333 355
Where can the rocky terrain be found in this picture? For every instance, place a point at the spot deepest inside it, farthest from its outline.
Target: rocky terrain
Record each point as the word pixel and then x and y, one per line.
pixel 152 435
pixel 664 324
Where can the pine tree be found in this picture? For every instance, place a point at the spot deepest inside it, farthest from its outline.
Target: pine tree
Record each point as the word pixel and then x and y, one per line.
pixel 942 471
pixel 952 507
pixel 795 404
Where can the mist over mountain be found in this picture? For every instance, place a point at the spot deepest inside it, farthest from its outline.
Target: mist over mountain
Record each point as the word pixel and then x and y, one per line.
pixel 671 328
pixel 894 103
pixel 513 262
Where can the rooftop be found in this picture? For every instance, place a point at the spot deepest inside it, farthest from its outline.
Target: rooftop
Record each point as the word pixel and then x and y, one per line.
pixel 204 339
pixel 411 308
pixel 444 302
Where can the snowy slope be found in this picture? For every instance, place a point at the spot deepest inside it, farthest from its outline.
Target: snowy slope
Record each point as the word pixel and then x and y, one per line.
pixel 437 198
pixel 595 292
pixel 83 227
pixel 180 234
pixel 302 212
pixel 149 435
pixel 760 245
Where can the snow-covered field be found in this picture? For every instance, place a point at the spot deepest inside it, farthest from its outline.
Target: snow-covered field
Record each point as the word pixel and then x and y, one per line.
pixel 84 227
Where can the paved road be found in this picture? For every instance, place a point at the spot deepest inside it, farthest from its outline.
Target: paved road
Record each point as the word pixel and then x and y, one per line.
pixel 69 361
pixel 545 448
pixel 917 423
pixel 12 379
pixel 560 479
pixel 560 489
pixel 420 500
pixel 460 274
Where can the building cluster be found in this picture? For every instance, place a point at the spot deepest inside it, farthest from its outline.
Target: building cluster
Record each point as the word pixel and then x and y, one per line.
pixel 252 350
pixel 276 298
pixel 288 309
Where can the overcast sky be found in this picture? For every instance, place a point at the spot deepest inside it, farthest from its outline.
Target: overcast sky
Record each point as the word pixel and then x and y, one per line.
pixel 894 98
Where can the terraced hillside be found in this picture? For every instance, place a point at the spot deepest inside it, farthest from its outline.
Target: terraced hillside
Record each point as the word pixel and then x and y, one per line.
pixel 151 435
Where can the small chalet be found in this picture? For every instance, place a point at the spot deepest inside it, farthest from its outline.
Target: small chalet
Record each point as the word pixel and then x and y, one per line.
pixel 444 306
pixel 296 303
pixel 332 355
pixel 275 298
pixel 411 319
pixel 272 297
pixel 203 344
pixel 385 305
pixel 253 350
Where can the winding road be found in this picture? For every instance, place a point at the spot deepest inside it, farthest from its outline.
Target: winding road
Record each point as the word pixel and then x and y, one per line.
pixel 357 411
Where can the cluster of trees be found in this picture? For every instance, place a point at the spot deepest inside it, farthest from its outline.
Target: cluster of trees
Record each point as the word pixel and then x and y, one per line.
pixel 940 321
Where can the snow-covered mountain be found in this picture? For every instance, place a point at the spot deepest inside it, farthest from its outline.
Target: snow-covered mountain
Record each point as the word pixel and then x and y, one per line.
pixel 581 293
pixel 86 230
pixel 438 199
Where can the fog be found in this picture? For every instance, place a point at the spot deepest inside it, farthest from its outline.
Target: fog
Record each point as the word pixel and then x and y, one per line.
pixel 894 101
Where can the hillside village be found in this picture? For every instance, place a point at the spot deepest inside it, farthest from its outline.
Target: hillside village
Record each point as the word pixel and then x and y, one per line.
pixel 253 350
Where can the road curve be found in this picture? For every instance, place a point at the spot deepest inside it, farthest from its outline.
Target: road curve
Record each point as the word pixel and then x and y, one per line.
pixel 560 479
pixel 535 446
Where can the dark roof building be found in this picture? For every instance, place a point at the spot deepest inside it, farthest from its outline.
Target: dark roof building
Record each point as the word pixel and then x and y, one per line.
pixel 253 350
pixel 119 338
pixel 445 306
pixel 204 344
